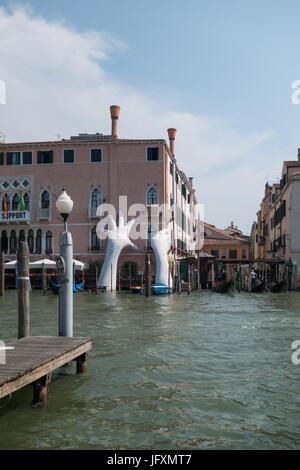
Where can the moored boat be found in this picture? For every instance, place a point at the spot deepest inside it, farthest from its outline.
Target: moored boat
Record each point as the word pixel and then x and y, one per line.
pixel 222 286
pixel 159 288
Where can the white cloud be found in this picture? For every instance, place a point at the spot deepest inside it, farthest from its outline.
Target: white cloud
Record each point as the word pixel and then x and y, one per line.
pixel 57 84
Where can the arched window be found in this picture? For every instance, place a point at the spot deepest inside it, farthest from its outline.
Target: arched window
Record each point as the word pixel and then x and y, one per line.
pixel 152 197
pixel 95 241
pixel 15 203
pixel 4 241
pixel 45 200
pixel 22 235
pixel 30 241
pixel 26 200
pixel 96 201
pixel 7 202
pixel 96 198
pixel 13 241
pixel 38 241
pixel 49 238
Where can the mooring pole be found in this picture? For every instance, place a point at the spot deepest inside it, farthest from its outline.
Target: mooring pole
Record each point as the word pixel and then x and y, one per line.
pixel 119 282
pixel 66 304
pixel 148 275
pixel 23 288
pixel 2 273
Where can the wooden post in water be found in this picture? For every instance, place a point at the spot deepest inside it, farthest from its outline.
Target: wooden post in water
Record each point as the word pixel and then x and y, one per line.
pixel 2 274
pixel 129 275
pixel 148 275
pixel 119 282
pixel 189 279
pixel 212 276
pixel 110 277
pixel 169 281
pixel 96 279
pixel 142 281
pixel 23 288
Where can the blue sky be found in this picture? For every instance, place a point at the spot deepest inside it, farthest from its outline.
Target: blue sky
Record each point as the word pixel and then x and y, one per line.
pixel 229 65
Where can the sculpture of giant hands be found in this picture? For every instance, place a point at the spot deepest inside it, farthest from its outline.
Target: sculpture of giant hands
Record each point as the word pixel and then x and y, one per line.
pixel 161 243
pixel 118 238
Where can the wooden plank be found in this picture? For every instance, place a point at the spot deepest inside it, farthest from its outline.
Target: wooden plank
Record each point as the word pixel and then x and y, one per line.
pixel 36 357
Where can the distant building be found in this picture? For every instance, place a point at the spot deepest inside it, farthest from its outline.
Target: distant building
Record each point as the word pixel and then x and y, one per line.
pixel 226 245
pixel 278 221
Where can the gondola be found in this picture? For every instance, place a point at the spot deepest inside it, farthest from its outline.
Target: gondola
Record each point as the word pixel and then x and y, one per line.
pixel 277 286
pixel 222 286
pixel 259 287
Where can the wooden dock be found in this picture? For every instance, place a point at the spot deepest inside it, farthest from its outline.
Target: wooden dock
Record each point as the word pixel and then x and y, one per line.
pixel 34 358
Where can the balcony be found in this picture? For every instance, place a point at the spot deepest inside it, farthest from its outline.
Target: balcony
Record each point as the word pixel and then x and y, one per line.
pixel 44 213
pixel 93 213
pixel 15 217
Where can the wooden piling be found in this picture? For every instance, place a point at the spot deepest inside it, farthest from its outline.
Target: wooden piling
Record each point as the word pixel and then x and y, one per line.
pixel 2 274
pixel 96 279
pixel 148 275
pixel 189 279
pixel 119 282
pixel 23 289
pixel 212 276
pixel 130 276
pixel 40 390
pixel 81 363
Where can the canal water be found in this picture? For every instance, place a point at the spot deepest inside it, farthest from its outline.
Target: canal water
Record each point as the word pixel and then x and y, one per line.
pixel 204 371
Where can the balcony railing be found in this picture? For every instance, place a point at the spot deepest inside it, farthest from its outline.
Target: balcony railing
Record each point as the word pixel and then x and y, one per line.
pixel 15 217
pixel 44 213
pixel 93 213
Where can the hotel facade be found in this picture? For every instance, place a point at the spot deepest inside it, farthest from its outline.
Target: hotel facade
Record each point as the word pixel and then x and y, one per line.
pixel 94 169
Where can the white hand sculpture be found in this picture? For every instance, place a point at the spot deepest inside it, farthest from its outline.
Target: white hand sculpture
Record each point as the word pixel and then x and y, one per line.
pixel 118 238
pixel 161 243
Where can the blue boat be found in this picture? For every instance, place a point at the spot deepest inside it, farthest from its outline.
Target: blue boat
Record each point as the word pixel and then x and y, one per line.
pixel 159 288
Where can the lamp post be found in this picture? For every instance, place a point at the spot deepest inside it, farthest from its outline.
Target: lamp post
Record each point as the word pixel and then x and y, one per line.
pixel 64 205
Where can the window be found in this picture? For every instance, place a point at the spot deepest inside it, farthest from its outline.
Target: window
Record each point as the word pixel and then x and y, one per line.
pixel 223 253
pixel 233 254
pixel 95 241
pixel 49 238
pixel 30 241
pixel 69 156
pixel 183 189
pixel 214 252
pixel 152 197
pixel 45 156
pixel 22 235
pixel 1 158
pixel 171 168
pixel 27 158
pixel 15 203
pixel 13 158
pixel 152 153
pixel 96 199
pixel 38 241
pixel 244 253
pixel 4 241
pixel 13 241
pixel 45 200
pixel 96 155
pixel 176 178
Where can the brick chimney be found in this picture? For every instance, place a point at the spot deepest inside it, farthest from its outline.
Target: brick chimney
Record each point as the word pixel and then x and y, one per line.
pixel 114 113
pixel 191 180
pixel 172 134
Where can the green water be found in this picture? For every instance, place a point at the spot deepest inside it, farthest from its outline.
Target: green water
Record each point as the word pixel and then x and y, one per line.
pixel 205 371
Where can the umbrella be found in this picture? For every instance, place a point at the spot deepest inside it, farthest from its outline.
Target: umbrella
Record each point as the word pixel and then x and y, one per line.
pixel 46 263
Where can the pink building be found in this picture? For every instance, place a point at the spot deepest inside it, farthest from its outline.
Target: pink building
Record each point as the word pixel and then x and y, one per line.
pixel 94 169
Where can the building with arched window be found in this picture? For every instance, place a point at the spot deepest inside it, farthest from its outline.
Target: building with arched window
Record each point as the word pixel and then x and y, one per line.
pixel 95 170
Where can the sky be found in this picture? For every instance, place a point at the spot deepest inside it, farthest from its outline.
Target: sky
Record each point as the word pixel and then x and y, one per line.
pixel 219 72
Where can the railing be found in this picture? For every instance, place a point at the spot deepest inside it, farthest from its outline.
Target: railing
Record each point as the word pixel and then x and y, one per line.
pixel 93 212
pixel 44 213
pixel 14 216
